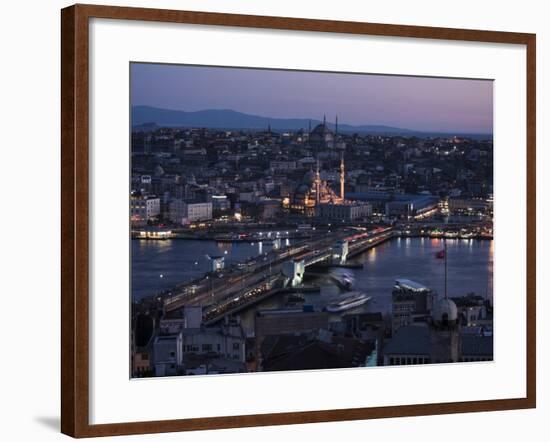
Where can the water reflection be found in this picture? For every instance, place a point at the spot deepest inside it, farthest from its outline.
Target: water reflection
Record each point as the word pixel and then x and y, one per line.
pixel 179 261
pixel 470 268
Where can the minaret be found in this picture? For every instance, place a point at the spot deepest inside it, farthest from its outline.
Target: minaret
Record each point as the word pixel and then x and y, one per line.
pixel 317 185
pixel 342 176
pixel 335 142
pixel 324 120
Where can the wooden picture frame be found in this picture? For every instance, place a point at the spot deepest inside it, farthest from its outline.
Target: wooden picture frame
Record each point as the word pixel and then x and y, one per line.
pixel 75 219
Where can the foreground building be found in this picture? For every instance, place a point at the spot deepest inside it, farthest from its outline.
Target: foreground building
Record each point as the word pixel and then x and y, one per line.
pixel 438 340
pixel 307 352
pixel 410 301
pixel 476 348
pixel 168 355
pixel 225 341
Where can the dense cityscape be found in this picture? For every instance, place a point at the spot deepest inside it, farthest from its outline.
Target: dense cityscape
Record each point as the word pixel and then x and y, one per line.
pixel 279 225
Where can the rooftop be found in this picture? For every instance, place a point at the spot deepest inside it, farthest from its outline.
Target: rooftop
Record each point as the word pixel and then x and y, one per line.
pixel 477 345
pixel 409 340
pixel 166 338
pixel 299 353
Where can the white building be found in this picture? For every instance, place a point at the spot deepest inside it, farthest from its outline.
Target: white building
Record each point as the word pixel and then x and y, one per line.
pixel 347 212
pixel 168 357
pixel 143 208
pixel 410 300
pixel 226 341
pixel 182 212
pixel 175 321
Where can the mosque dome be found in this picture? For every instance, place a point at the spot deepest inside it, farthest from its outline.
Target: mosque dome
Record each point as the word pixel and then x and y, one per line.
pixel 309 177
pixel 445 312
pixel 321 136
pixel 303 189
pixel 321 129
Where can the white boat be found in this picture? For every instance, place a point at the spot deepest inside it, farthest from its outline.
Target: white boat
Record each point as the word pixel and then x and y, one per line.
pixel 344 280
pixel 407 284
pixel 348 301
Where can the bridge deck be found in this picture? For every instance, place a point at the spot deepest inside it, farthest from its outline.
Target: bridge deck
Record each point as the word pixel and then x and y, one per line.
pixel 237 288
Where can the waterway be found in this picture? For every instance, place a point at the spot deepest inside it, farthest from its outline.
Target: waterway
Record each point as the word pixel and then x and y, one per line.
pixel 157 265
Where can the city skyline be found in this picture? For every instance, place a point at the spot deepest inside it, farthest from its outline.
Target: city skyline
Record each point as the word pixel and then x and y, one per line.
pixel 424 104
pixel 264 245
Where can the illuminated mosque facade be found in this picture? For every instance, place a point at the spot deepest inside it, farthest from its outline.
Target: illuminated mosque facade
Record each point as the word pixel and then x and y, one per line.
pixel 313 192
pixel 315 197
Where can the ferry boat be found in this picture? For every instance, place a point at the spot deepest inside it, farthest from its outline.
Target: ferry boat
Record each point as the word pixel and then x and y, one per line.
pixel 407 284
pixel 348 301
pixel 343 280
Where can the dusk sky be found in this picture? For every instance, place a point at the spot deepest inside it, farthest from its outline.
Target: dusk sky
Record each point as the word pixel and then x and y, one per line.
pixel 417 103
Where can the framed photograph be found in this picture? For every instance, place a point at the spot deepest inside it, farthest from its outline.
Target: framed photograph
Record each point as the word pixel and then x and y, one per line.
pixel 272 220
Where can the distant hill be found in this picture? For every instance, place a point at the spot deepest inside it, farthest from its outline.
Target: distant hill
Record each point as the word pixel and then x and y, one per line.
pixel 145 127
pixel 147 117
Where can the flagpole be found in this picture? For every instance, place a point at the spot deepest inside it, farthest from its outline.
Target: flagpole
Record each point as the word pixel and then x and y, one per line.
pixel 445 252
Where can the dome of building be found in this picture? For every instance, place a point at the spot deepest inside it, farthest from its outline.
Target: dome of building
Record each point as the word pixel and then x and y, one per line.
pixel 321 136
pixel 303 189
pixel 309 177
pixel 321 129
pixel 445 312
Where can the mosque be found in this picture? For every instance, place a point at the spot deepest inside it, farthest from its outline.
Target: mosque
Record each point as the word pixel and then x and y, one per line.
pixel 314 196
pixel 322 137
pixel 313 192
